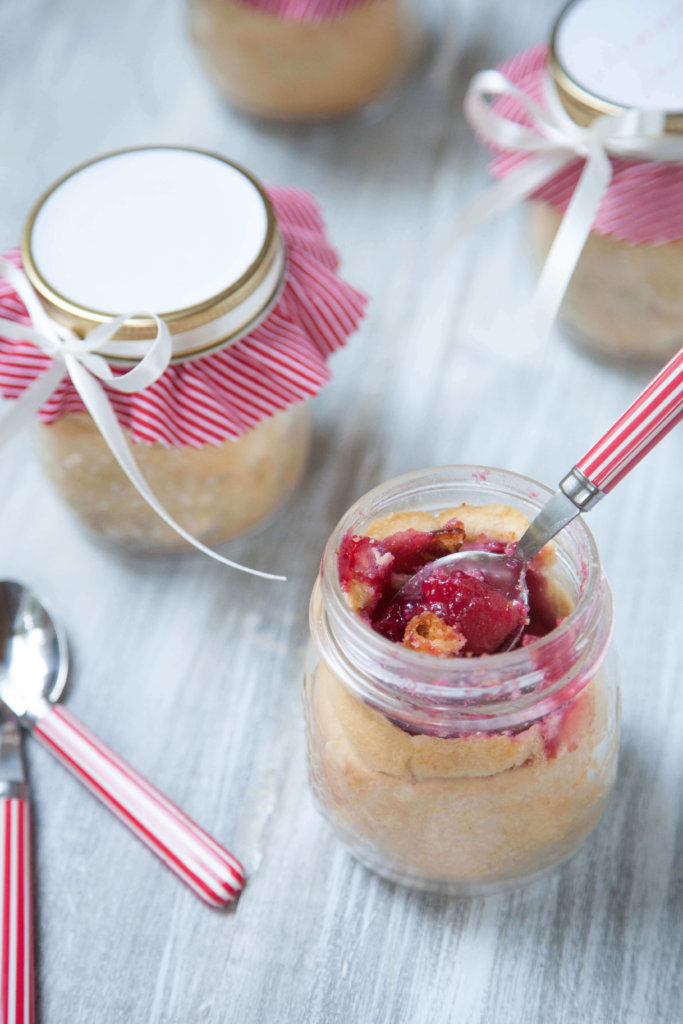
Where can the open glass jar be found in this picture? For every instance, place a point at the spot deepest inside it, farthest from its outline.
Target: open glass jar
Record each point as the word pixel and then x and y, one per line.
pixel 235 284
pixel 284 60
pixel 463 775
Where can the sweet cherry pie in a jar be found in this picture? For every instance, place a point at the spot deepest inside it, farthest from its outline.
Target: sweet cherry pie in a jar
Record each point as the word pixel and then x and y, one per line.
pixel 442 760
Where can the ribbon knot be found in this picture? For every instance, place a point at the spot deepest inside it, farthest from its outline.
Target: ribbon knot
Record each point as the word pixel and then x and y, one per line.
pixel 65 342
pixel 82 360
pixel 552 142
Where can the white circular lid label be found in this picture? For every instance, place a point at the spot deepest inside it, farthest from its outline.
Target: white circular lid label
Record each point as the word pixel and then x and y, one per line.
pixel 149 230
pixel 629 52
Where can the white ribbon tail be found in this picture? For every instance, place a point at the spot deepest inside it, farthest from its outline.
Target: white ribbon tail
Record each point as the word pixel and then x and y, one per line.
pixel 104 418
pixel 509 191
pixel 20 412
pixel 570 239
pixel 22 332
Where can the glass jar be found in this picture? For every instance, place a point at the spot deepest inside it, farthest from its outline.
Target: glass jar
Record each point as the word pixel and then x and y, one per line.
pixel 625 298
pixel 284 68
pixel 605 90
pixel 463 775
pixel 221 429
pixel 215 492
pixel 624 301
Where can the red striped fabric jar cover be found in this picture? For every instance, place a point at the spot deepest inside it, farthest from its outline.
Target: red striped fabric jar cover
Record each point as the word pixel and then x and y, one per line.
pixel 244 280
pixel 299 60
pixel 624 293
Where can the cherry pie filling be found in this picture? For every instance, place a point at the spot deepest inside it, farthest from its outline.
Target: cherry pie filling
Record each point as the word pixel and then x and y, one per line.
pixel 457 613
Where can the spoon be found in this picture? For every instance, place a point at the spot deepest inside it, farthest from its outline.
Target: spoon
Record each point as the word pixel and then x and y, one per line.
pixel 33 669
pixel 16 882
pixel 646 421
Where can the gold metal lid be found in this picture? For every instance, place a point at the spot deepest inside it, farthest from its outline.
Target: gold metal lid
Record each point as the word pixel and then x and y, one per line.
pixel 583 102
pixel 213 319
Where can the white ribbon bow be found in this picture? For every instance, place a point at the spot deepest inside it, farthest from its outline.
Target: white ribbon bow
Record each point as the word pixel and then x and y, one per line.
pixel 553 142
pixel 79 358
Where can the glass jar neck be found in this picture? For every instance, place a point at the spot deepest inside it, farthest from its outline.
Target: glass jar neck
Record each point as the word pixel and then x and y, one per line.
pixel 456 695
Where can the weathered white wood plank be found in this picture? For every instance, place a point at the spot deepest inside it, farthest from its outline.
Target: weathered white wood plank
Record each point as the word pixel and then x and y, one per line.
pixel 194 673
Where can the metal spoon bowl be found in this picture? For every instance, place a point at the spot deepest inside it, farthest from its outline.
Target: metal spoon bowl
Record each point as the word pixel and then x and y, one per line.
pixel 502 572
pixel 34 657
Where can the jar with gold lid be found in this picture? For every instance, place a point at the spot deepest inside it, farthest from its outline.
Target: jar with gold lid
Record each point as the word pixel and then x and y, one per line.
pixel 601 109
pixel 241 281
pixel 447 767
pixel 290 60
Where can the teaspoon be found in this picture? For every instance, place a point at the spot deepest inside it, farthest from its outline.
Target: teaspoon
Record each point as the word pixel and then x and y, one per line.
pixel 33 667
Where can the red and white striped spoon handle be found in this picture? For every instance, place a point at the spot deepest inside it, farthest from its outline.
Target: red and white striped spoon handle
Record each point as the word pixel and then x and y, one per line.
pixel 198 860
pixel 656 410
pixel 17 993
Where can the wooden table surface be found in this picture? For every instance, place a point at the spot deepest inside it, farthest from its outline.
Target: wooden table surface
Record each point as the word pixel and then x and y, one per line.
pixel 194 672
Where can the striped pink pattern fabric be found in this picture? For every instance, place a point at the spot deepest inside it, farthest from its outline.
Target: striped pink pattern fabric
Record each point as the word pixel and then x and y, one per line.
pixel 303 10
pixel 223 395
pixel 644 202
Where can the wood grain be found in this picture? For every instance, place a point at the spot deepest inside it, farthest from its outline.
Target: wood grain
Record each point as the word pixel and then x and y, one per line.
pixel 193 672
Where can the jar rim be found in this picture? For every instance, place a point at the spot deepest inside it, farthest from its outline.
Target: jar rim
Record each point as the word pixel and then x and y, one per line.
pixel 494 679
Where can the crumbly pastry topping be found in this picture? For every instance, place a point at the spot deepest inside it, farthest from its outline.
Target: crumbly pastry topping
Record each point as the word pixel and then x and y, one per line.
pixel 428 633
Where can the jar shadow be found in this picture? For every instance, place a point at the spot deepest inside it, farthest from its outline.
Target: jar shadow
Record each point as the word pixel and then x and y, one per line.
pixel 396 137
pixel 623 883
pixel 341 468
pixel 570 935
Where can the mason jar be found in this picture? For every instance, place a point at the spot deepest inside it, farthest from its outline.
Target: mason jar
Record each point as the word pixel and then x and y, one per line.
pixel 466 775
pixel 294 62
pixel 244 281
pixel 625 298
